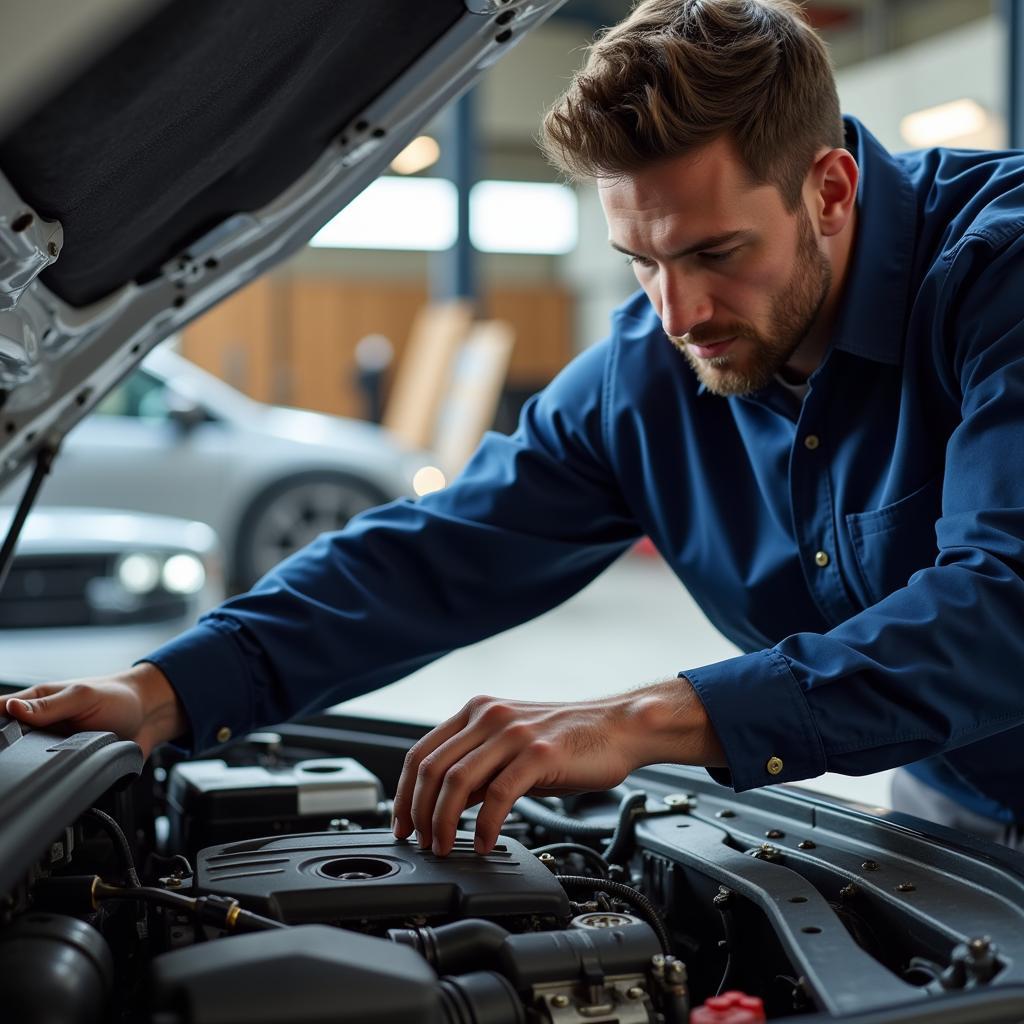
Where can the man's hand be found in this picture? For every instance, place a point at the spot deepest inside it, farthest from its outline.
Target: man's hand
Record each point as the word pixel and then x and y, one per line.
pixel 496 751
pixel 138 705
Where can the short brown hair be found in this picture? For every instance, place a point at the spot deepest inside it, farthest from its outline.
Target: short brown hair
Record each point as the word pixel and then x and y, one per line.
pixel 677 74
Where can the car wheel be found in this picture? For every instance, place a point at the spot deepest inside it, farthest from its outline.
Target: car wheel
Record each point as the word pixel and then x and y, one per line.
pixel 290 514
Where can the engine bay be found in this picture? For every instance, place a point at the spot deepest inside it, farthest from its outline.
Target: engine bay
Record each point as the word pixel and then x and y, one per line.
pixel 266 886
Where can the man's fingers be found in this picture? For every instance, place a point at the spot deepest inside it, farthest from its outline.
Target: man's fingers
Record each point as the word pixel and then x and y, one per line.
pixel 519 776
pixel 403 823
pixel 465 783
pixel 48 704
pixel 32 691
pixel 448 765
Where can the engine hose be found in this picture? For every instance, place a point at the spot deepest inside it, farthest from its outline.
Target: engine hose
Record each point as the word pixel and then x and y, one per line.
pixel 538 814
pixel 619 847
pixel 483 997
pixel 643 906
pixel 120 841
pixel 453 948
pixel 219 911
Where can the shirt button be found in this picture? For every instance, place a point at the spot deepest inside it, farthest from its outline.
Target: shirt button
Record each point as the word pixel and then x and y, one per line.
pixel 774 765
pixel 811 441
pixel 223 734
pixel 821 559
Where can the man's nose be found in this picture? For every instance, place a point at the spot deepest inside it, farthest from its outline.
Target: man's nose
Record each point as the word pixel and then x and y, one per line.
pixel 684 304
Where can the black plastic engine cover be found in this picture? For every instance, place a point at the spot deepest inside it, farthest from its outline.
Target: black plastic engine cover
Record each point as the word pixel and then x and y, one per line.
pixel 371 876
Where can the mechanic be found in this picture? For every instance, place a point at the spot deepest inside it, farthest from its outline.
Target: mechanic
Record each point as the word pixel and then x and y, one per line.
pixel 814 409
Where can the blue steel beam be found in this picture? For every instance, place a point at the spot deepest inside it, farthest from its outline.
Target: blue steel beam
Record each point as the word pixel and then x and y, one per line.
pixel 454 273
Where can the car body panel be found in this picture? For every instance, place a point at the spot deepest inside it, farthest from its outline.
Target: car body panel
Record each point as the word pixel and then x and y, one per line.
pixel 218 465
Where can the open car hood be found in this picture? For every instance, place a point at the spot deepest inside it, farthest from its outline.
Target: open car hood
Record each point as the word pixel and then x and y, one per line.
pixel 204 145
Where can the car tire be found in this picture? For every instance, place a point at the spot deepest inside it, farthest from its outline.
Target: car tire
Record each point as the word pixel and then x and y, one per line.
pixel 291 513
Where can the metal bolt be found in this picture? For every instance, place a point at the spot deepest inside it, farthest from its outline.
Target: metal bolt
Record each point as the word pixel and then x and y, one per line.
pixel 635 992
pixel 677 967
pixel 906 887
pixel 725 814
pixel 870 865
pixel 680 800
pixel 52 249
pixel 560 1001
pixel 723 897
pixel 774 833
pixel 171 882
pixel 849 891
pixel 979 945
pixel 806 844
pixel 549 862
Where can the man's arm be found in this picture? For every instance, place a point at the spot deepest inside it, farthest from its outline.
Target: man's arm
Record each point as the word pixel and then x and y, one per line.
pixel 495 751
pixel 531 520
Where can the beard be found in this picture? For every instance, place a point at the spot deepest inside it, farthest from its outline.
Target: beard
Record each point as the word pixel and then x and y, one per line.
pixel 749 367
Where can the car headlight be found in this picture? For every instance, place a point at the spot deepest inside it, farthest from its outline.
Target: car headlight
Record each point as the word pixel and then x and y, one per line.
pixel 138 573
pixel 183 574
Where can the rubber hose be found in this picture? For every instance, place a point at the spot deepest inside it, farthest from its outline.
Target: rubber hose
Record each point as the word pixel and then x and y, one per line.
pixel 538 814
pixel 622 838
pixel 120 841
pixel 452 948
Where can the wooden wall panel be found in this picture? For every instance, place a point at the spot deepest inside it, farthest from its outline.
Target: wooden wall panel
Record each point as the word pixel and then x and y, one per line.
pixel 326 319
pixel 542 316
pixel 291 340
pixel 238 340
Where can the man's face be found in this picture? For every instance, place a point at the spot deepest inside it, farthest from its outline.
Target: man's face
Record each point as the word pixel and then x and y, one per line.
pixel 736 278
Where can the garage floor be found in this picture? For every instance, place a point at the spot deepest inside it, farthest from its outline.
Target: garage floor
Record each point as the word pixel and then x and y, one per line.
pixel 633 625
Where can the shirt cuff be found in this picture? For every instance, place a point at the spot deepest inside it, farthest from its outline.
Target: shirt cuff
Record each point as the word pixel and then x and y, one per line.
pixel 761 718
pixel 208 673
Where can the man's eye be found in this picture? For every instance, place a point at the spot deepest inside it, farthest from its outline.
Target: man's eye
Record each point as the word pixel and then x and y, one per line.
pixel 639 261
pixel 718 257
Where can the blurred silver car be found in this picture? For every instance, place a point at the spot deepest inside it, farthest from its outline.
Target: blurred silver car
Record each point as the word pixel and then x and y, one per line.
pixel 90 591
pixel 175 440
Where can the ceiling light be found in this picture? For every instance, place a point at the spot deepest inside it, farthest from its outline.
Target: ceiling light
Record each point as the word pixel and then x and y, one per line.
pixel 396 213
pixel 523 216
pixel 945 124
pixel 420 154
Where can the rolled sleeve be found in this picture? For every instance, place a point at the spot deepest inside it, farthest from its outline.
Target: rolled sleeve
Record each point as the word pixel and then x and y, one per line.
pixel 762 720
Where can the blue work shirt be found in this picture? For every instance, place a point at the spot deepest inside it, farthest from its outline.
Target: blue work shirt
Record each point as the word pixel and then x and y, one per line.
pixel 865 546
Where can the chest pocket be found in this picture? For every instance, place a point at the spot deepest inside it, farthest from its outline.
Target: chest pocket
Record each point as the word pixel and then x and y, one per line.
pixel 890 544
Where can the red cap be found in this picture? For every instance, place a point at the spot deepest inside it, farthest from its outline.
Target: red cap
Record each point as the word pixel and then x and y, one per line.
pixel 729 1008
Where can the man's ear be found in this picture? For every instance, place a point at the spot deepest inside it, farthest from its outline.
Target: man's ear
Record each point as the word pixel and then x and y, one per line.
pixel 832 183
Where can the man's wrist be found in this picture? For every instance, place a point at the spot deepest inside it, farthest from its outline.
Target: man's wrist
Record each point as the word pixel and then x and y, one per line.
pixel 163 717
pixel 674 726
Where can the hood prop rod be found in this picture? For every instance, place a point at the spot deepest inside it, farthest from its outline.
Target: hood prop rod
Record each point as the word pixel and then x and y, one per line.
pixel 44 460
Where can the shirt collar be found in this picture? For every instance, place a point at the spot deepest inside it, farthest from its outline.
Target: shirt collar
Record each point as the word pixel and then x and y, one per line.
pixel 873 310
